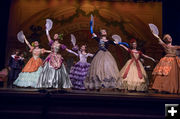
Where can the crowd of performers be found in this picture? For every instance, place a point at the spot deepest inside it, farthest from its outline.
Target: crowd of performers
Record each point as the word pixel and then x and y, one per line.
pixel 101 73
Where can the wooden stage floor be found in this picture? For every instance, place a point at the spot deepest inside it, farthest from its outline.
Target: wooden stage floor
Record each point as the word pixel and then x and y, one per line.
pixel 17 103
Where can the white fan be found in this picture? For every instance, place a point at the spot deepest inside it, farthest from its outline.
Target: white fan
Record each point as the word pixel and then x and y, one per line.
pixel 73 39
pixel 154 29
pixel 21 36
pixel 49 24
pixel 117 38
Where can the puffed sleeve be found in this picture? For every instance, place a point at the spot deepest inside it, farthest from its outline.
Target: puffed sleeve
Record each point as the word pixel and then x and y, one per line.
pixel 51 42
pixel 63 47
pixel 75 48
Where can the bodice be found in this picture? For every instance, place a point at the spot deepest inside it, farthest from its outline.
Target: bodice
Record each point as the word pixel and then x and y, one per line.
pixel 135 54
pixel 36 53
pixel 170 50
pixel 83 57
pixel 55 47
pixel 103 45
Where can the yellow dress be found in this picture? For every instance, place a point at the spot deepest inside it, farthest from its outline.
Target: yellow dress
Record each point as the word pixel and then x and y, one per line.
pixel 132 75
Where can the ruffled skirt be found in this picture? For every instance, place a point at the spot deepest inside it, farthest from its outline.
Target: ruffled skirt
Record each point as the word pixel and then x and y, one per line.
pixel 28 79
pixel 78 74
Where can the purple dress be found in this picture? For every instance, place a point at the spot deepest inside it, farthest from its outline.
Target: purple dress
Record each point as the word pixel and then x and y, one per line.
pixel 78 72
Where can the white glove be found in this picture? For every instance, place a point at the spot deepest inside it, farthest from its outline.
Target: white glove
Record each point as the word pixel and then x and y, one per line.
pixel 47 32
pixel 70 51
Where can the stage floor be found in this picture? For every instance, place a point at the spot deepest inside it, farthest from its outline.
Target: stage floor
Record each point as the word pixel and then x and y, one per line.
pixel 107 93
pixel 26 103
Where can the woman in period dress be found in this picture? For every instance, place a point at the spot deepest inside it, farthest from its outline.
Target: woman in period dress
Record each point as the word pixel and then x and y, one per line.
pixel 54 74
pixel 103 69
pixel 132 75
pixel 31 72
pixel 79 71
pixel 167 71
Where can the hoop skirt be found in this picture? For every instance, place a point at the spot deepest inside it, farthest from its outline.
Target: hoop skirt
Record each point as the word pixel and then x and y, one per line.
pixel 30 74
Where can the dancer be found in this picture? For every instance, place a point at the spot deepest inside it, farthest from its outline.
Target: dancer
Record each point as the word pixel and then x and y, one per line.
pixel 79 71
pixel 167 71
pixel 103 69
pixel 54 74
pixel 132 75
pixel 15 66
pixel 30 73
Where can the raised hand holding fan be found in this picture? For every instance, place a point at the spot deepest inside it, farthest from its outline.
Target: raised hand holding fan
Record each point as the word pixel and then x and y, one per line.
pixel 73 40
pixel 21 36
pixel 49 24
pixel 154 29
pixel 118 40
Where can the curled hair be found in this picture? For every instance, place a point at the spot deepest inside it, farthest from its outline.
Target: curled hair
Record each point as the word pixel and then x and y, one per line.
pixel 102 30
pixel 132 41
pixel 85 47
pixel 165 38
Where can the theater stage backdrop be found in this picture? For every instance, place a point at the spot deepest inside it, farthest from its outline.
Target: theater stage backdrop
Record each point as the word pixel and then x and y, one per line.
pixel 127 19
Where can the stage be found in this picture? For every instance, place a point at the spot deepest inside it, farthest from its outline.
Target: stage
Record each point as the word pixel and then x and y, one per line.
pixel 19 103
pixel 129 19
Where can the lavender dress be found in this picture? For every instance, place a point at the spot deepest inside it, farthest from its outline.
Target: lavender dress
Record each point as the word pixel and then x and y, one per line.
pixel 78 72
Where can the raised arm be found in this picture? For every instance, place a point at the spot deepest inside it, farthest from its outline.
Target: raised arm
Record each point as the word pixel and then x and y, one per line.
pixel 48 36
pixel 75 48
pixel 29 45
pixel 160 41
pixel 94 36
pixel 148 57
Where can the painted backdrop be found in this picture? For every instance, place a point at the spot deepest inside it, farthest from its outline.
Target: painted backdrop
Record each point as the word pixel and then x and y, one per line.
pixel 127 19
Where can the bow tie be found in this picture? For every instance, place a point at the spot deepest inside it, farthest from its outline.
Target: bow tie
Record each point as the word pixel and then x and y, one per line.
pixel 16 58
